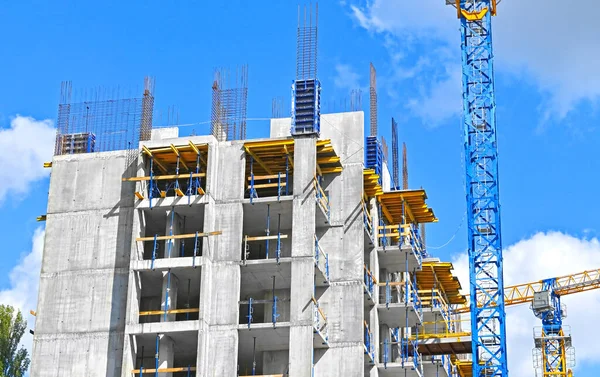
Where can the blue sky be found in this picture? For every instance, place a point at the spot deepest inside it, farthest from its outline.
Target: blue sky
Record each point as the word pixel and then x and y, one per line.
pixel 547 86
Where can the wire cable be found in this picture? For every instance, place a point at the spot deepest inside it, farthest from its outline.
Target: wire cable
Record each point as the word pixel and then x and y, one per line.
pixel 453 236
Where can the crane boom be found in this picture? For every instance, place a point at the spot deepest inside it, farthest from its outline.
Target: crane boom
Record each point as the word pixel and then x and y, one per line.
pixel 562 286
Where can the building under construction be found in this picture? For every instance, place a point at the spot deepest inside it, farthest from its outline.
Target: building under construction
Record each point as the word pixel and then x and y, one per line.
pixel 215 255
pixel 280 256
pixel 301 254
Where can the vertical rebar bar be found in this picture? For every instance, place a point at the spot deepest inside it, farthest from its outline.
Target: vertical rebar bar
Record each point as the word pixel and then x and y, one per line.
pixel 373 100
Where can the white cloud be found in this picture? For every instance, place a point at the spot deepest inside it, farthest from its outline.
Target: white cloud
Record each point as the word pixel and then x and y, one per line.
pixel 346 77
pixel 546 255
pixel 541 42
pixel 441 101
pixel 24 281
pixel 25 146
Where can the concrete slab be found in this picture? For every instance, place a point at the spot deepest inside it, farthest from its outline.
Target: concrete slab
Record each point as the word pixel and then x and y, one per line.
pixel 258 277
pixel 164 328
pixel 435 368
pixel 397 369
pixel 165 264
pixel 398 315
pixel 171 201
pixel 396 259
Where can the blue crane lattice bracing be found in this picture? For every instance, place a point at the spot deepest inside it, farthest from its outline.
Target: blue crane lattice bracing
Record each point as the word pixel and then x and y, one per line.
pixel 483 206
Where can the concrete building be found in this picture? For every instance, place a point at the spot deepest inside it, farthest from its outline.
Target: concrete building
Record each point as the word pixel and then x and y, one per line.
pixel 279 257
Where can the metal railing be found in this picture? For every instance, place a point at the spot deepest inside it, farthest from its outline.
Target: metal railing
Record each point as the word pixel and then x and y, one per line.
pixel 367 220
pixel 321 197
pixel 369 282
pixel 405 293
pixel 319 320
pixel 401 235
pixel 321 260
pixel 369 343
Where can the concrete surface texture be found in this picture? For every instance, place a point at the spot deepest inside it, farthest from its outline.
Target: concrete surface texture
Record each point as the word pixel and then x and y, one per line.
pixel 107 307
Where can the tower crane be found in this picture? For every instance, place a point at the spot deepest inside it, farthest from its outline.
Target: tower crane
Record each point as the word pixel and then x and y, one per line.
pixel 553 352
pixel 483 207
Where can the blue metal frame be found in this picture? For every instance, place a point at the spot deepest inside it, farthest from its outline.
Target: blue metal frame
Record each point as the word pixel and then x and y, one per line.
pixel 194 183
pixel 267 230
pixel 274 314
pixel 370 347
pixel 152 183
pixel 369 284
pixel 253 193
pixel 195 250
pixel 306 107
pixel 156 356
pixel 278 249
pixel 250 312
pixel 374 156
pixel 386 346
pixel 154 248
pixel 488 316
pixel 167 295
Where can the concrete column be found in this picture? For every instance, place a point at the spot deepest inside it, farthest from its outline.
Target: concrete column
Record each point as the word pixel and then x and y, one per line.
pixel 303 230
pixel 170 287
pixel 218 340
pixel 166 354
pixel 174 226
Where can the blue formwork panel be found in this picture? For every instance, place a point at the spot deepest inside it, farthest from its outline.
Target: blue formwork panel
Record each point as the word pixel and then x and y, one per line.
pixel 91 143
pixel 374 155
pixel 306 107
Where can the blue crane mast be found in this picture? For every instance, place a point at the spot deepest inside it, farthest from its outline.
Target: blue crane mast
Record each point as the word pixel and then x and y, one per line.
pixel 488 318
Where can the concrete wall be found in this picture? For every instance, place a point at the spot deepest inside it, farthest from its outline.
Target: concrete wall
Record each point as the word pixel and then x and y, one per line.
pixel 83 284
pixel 342 239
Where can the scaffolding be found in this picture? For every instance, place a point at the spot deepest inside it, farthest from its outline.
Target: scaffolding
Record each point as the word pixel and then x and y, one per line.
pixel 99 120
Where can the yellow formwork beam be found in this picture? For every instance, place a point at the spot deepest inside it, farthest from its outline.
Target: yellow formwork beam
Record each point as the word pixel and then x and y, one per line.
pixel 180 236
pixel 172 311
pixel 258 160
pixel 165 177
pixel 197 151
pixel 264 238
pixel 165 370
pixel 151 155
